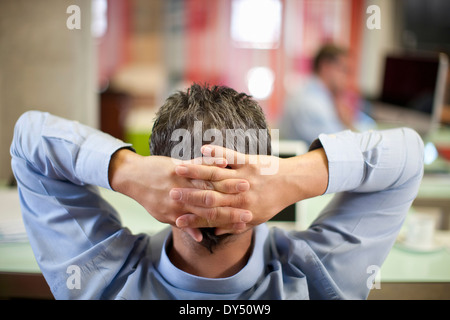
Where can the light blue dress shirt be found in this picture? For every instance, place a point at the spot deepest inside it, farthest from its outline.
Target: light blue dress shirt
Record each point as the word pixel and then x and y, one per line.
pixel 58 164
pixel 311 111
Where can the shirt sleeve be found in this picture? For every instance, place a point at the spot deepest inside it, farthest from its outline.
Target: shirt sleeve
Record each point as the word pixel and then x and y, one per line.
pixel 376 176
pixel 58 165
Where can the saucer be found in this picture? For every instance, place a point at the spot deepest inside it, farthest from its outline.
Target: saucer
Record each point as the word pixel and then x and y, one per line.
pixel 401 244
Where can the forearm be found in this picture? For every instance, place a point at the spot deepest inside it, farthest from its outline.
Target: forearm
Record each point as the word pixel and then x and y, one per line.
pixel 348 161
pixel 62 149
pixel 305 176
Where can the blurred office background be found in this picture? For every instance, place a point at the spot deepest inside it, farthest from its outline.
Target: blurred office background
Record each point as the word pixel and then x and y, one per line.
pixel 129 55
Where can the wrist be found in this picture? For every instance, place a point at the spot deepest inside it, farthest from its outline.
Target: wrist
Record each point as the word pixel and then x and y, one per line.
pixel 119 170
pixel 306 176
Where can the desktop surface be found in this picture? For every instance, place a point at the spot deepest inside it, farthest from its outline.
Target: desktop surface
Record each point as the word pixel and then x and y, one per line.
pixel 401 264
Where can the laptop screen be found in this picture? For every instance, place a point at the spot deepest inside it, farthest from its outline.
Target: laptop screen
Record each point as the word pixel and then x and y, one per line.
pixel 410 82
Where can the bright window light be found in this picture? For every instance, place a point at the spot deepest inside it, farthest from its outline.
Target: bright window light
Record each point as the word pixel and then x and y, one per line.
pixel 430 153
pixel 256 23
pixel 99 18
pixel 260 82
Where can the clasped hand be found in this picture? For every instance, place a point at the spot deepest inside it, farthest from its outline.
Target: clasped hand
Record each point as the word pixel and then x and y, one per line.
pixel 188 194
pixel 223 189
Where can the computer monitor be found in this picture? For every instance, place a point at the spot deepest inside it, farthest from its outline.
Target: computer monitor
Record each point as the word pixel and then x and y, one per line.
pixel 412 91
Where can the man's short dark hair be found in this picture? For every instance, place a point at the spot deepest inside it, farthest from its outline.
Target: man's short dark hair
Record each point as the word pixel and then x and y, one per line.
pixel 327 53
pixel 217 107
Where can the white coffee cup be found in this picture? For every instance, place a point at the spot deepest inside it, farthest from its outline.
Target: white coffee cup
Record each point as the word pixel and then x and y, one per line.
pixel 420 231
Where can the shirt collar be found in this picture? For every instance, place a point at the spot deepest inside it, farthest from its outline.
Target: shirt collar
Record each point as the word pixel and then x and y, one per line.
pixel 240 282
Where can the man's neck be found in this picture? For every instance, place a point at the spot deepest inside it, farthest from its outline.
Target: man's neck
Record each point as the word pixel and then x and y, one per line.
pixel 226 260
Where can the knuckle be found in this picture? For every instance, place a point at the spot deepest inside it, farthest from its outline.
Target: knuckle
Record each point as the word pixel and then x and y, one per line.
pixel 235 216
pixel 208 199
pixel 211 214
pixel 193 172
pixel 188 197
pixel 212 174
pixel 230 187
pixel 215 174
pixel 242 200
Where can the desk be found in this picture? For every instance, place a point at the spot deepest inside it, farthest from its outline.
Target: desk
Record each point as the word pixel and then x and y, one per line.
pixel 429 272
pixel 435 192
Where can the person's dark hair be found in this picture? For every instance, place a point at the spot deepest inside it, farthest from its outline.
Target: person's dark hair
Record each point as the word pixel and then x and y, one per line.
pixel 217 107
pixel 327 53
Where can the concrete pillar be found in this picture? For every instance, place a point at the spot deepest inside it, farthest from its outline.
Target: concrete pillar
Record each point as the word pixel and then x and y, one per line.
pixel 44 65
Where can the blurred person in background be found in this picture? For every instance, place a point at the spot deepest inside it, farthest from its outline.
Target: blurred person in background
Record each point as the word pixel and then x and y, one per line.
pixel 324 104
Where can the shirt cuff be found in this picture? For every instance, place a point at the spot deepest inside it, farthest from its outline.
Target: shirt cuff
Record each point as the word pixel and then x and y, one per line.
pixel 94 156
pixel 345 161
